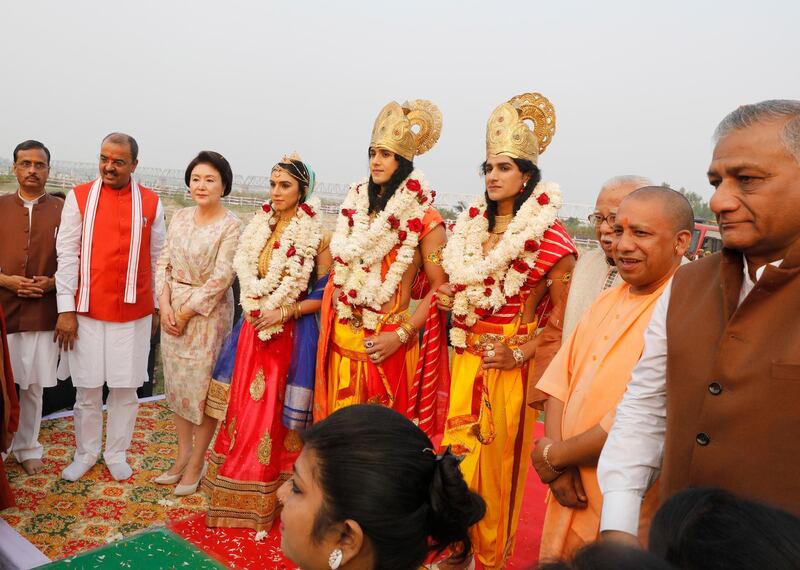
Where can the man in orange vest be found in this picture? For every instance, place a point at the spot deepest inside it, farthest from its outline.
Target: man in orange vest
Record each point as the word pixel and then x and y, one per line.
pixel 112 231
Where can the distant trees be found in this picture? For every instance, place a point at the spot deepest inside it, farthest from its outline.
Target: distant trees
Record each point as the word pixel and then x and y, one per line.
pixel 700 207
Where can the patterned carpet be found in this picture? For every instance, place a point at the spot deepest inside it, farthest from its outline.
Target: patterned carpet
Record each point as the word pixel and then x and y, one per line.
pixel 62 518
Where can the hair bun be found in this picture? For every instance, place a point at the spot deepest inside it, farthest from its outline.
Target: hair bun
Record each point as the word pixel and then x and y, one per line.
pixel 453 507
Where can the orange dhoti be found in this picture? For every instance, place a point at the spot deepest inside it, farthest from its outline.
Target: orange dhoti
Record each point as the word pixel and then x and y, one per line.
pixel 490 424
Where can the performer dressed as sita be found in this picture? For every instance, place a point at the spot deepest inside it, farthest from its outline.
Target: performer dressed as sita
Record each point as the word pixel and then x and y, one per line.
pixel 387 249
pixel 509 261
pixel 283 254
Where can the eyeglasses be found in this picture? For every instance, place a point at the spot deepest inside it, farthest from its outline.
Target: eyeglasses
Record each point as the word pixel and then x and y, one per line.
pixel 598 219
pixel 26 164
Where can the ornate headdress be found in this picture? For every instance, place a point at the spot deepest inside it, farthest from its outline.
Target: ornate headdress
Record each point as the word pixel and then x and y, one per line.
pixel 507 132
pixel 301 172
pixel 393 128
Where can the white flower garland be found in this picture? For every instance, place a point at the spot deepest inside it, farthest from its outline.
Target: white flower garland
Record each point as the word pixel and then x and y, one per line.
pixel 289 267
pixel 484 283
pixel 359 245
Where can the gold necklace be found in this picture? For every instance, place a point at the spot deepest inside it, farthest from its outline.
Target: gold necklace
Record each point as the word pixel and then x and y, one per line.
pixel 501 223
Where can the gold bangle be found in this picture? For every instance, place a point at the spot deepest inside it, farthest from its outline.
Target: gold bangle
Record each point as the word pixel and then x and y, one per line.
pixel 402 333
pixel 297 313
pixel 410 329
pixel 283 313
pixel 550 466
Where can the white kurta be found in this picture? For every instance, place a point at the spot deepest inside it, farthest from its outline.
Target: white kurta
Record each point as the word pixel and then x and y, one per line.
pixel 114 353
pixel 34 358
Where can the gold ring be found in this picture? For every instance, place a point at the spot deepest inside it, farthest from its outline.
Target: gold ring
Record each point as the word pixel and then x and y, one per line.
pixel 490 354
pixel 374 356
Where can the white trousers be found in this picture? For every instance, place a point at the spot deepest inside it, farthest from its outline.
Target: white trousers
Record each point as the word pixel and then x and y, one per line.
pixel 26 441
pixel 34 357
pixel 123 405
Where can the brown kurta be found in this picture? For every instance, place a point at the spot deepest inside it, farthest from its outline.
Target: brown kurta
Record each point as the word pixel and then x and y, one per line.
pixel 29 253
pixel 733 381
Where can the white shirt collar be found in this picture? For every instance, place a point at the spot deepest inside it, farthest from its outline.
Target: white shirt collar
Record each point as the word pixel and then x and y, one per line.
pixel 30 202
pixel 747 283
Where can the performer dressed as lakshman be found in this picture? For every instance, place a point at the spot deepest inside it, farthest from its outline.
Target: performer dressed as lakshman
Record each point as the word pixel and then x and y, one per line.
pixel 283 252
pixel 509 260
pixel 386 247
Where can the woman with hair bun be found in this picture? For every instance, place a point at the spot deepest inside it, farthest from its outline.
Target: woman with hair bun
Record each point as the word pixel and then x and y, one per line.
pixel 368 492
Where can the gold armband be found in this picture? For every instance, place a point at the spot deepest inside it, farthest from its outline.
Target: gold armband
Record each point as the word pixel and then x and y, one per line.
pixel 436 256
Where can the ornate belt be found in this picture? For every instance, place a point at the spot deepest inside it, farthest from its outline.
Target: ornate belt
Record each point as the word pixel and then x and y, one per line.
pixel 484 339
pixel 356 322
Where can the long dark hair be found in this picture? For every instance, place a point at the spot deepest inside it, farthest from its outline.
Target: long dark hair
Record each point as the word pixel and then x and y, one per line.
pixel 297 170
pixel 376 467
pixel 711 529
pixel 378 199
pixel 525 166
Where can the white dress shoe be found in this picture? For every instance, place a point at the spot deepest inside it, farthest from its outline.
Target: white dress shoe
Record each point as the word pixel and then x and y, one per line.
pixel 166 479
pixel 183 490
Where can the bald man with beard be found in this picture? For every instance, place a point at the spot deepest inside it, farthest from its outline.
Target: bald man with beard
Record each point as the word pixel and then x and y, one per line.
pixel 589 374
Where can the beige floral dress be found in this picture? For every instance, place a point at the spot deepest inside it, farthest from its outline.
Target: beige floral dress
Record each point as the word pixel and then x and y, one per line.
pixel 197 263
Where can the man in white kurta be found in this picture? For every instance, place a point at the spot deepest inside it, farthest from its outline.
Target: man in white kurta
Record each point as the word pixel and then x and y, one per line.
pixel 29 221
pixel 112 231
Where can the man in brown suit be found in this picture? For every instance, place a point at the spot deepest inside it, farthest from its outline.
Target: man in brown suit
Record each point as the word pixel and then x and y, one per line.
pixel 29 220
pixel 715 398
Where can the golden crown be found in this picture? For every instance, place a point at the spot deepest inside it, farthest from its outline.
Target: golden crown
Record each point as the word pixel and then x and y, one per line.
pixel 508 133
pixel 395 126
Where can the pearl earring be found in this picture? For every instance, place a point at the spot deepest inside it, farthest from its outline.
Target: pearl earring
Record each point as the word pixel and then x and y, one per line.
pixel 335 558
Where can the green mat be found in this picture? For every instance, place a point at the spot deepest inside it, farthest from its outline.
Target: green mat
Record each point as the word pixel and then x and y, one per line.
pixel 153 549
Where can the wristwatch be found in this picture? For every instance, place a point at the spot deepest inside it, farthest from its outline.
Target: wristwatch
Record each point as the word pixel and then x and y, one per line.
pixel 519 356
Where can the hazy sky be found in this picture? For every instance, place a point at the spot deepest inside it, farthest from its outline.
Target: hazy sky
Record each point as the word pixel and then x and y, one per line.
pixel 638 86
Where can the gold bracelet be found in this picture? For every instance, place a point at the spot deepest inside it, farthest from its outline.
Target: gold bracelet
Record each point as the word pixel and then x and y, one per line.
pixel 283 313
pixel 402 333
pixel 410 329
pixel 297 313
pixel 550 466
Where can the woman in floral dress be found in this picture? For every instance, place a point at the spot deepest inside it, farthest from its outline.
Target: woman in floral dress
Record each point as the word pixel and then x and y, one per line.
pixel 193 280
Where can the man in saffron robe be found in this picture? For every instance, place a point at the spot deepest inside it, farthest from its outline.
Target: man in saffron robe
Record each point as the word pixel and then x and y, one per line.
pixel 112 231
pixel 387 250
pixel 594 273
pixel 587 378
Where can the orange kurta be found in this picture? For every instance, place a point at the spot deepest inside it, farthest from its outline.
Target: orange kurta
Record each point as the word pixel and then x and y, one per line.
pixel 590 374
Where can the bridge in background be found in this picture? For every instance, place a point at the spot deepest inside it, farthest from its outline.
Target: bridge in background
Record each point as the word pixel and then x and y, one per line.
pixel 249 190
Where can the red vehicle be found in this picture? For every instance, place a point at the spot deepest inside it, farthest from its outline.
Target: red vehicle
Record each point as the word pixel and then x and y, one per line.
pixel 706 240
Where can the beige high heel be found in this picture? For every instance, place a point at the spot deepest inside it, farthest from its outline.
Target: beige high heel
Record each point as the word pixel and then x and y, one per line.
pixel 183 490
pixel 166 479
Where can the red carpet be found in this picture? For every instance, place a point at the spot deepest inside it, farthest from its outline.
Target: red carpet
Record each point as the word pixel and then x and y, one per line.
pixel 237 548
